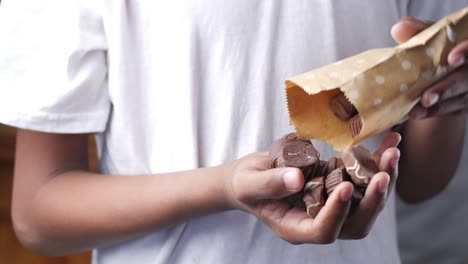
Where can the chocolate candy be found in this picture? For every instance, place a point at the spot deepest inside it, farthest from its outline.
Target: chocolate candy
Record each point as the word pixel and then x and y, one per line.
pixel 341 107
pixel 332 164
pixel 277 146
pixel 355 125
pixel 298 154
pixel 333 179
pixel 356 165
pixel 290 151
pixel 359 164
pixel 314 196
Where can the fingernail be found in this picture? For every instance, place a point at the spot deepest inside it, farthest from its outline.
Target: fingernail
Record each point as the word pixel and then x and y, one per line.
pixel 415 23
pixel 433 99
pixel 419 113
pixel 383 185
pixel 459 61
pixel 345 195
pixel 290 181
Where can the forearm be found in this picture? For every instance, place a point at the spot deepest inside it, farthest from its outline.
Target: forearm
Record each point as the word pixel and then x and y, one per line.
pixel 431 150
pixel 78 210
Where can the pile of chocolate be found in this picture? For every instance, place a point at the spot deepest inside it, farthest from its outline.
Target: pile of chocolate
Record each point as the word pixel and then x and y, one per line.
pixel 346 112
pixel 356 165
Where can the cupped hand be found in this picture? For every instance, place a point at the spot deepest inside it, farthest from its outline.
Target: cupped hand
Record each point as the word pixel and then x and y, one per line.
pixel 255 187
pixel 449 95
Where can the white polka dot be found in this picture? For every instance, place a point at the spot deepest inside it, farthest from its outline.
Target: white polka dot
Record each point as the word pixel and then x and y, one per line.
pixel 333 75
pixel 353 94
pixel 403 87
pixel 310 76
pixel 451 34
pixel 427 75
pixel 377 102
pixel 406 65
pixel 360 61
pixel 430 52
pixel 380 79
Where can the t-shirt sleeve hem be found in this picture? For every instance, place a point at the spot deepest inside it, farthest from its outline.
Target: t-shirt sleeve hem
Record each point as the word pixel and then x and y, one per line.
pixel 74 123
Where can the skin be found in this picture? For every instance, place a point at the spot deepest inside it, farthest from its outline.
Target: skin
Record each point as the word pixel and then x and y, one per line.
pixel 435 133
pixel 59 207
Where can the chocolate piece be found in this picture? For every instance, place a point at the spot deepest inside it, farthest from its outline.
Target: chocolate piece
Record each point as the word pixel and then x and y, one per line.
pixel 290 151
pixel 299 154
pixel 321 169
pixel 341 107
pixel 296 200
pixel 314 196
pixel 332 164
pixel 355 125
pixel 277 146
pixel 333 179
pixel 359 164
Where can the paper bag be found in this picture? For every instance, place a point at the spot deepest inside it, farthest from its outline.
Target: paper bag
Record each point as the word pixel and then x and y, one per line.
pixel 382 84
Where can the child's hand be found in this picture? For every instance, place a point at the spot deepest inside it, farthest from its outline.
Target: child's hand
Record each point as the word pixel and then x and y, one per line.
pixel 449 95
pixel 255 187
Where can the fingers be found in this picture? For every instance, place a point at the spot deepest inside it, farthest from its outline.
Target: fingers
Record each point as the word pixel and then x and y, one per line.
pixel 389 164
pixel 453 105
pixel 331 217
pixel 451 86
pixel 268 184
pixel 296 227
pixel 457 55
pixel 406 28
pixel 445 96
pixel 360 223
pixel 390 141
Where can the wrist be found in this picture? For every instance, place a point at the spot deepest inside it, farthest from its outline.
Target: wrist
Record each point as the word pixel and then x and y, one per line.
pixel 227 171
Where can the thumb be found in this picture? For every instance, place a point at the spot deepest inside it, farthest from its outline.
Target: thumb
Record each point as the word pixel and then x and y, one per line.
pixel 406 28
pixel 274 184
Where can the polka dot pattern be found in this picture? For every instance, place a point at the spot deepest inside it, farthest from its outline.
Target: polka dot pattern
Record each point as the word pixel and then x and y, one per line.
pixel 427 75
pixel 406 65
pixel 382 83
pixel 377 101
pixel 430 52
pixel 353 94
pixel 380 79
pixel 404 87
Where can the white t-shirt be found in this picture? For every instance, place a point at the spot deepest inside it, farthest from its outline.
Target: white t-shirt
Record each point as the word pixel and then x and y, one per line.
pixel 174 85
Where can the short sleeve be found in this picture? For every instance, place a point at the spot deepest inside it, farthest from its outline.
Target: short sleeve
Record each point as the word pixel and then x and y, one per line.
pixel 53 68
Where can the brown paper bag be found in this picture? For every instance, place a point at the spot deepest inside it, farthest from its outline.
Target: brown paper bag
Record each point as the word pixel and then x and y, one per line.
pixel 383 84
